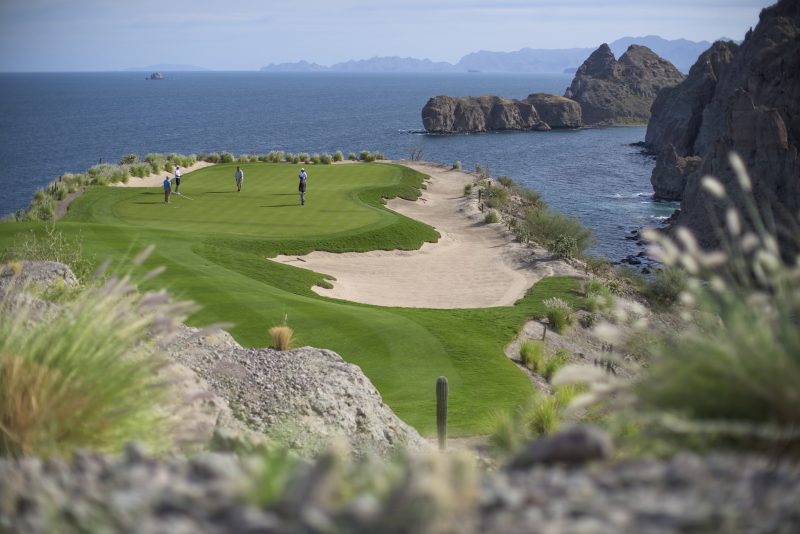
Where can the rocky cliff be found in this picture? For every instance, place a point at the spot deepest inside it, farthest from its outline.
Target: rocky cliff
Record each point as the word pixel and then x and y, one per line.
pixel 744 99
pixel 447 114
pixel 612 92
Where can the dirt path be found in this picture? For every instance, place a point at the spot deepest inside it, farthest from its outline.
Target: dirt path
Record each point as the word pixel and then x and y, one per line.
pixel 474 265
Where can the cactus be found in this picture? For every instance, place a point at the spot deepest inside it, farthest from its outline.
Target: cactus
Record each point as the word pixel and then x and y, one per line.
pixel 441 411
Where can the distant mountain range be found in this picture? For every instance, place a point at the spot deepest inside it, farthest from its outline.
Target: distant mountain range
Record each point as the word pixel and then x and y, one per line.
pixel 167 67
pixel 680 52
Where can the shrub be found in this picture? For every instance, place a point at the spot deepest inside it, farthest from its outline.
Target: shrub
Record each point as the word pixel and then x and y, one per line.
pixel 296 159
pixel 529 197
pixel 304 157
pixel 316 159
pixel 105 173
pixel 290 157
pixel 506 181
pixel 564 246
pixel 214 157
pixel 352 156
pixel 554 363
pixel 531 354
pixel 129 159
pixel 378 156
pixel 338 156
pixel 156 161
pixel 467 190
pixel 226 157
pixel 365 155
pixel 665 287
pixel 276 156
pixel 542 417
pixel 495 197
pixel 326 159
pixel 282 337
pixel 84 377
pixel 598 296
pixel 457 166
pixel 555 230
pixel 588 320
pixel 52 246
pixel 491 217
pixel 57 190
pixel 559 314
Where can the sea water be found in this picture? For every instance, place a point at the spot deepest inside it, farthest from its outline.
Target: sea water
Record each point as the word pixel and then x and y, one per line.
pixel 52 123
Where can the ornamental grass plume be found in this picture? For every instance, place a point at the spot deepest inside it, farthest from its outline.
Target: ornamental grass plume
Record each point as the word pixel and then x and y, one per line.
pixel 730 373
pixel 83 375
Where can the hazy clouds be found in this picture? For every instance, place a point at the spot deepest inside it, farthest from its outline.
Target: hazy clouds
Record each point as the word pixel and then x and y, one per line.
pixel 247 34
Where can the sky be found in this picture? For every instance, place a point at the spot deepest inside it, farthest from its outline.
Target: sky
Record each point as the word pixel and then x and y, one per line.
pixel 99 35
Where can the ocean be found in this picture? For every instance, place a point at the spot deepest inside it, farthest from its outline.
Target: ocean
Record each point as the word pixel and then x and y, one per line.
pixel 52 123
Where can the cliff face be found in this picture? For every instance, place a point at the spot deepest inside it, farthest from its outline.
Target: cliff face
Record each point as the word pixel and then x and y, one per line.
pixel 753 109
pixel 620 92
pixel 447 114
pixel 557 111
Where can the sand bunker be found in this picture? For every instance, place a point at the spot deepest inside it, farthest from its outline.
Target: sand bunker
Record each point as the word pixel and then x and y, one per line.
pixel 474 265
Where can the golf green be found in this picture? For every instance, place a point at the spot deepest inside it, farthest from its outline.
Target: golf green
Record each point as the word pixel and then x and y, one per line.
pixel 215 241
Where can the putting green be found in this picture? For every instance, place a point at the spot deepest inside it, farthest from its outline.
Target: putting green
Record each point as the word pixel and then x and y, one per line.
pixel 214 244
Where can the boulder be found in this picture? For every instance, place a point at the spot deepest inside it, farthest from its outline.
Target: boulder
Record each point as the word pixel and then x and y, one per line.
pixel 612 92
pixel 42 274
pixel 575 446
pixel 556 111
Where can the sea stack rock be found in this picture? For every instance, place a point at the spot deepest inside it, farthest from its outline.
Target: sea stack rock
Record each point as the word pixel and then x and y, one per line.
pixel 613 92
pixel 753 110
pixel 557 111
pixel 448 114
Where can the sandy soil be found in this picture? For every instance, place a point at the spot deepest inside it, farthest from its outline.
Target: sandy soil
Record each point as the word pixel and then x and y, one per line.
pixel 155 180
pixel 474 265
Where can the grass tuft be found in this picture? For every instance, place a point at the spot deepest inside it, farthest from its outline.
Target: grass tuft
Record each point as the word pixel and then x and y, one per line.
pixel 282 337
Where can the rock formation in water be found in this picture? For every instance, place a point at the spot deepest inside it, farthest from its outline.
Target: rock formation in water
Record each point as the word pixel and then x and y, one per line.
pixel 447 114
pixel 744 99
pixel 613 92
pixel 466 114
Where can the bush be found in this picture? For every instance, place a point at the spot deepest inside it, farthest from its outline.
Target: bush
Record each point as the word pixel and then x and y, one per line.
pixel 86 376
pixel 282 337
pixel 57 190
pixel 52 246
pixel 326 159
pixel 105 173
pixel 456 166
pixel 531 354
pixel 555 230
pixel 226 157
pixel 214 157
pixel 598 296
pixel 467 190
pixel 156 161
pixel 316 159
pixel 491 217
pixel 559 314
pixel 506 182
pixel 130 159
pixel 352 156
pixel 338 156
pixel 296 159
pixel 554 363
pixel 289 157
pixel 304 157
pixel 276 156
pixel 665 287
pixel 564 247
pixel 495 197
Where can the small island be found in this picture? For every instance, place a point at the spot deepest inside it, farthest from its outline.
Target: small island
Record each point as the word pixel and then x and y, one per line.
pixel 155 76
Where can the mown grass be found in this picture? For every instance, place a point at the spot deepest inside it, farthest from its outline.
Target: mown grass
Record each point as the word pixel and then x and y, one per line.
pixel 215 248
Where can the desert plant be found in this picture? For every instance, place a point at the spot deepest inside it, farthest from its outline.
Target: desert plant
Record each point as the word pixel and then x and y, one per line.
pixel 542 417
pixel 226 157
pixel 598 295
pixel 326 159
pixel 338 156
pixel 663 290
pixel 52 245
pixel 491 217
pixel 129 159
pixel 304 157
pixel 352 156
pixel 441 411
pixel 316 159
pixel 289 157
pixel 456 166
pixel 282 336
pixel 467 190
pixel 553 363
pixel 531 353
pixel 564 246
pixel 156 162
pixel 495 197
pixel 86 376
pixel 546 227
pixel 559 314
pixel 505 181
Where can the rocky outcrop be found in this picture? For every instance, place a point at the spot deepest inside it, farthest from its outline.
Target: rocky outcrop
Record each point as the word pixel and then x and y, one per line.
pixel 557 111
pixel 305 397
pixel 671 174
pixel 612 92
pixel 753 110
pixel 447 114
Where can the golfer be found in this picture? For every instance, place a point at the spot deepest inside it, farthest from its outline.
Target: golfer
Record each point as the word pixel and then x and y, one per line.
pixel 167 189
pixel 239 178
pixel 177 179
pixel 302 186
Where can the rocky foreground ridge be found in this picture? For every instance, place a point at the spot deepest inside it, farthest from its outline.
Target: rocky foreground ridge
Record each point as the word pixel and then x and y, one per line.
pixel 744 99
pixel 604 92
